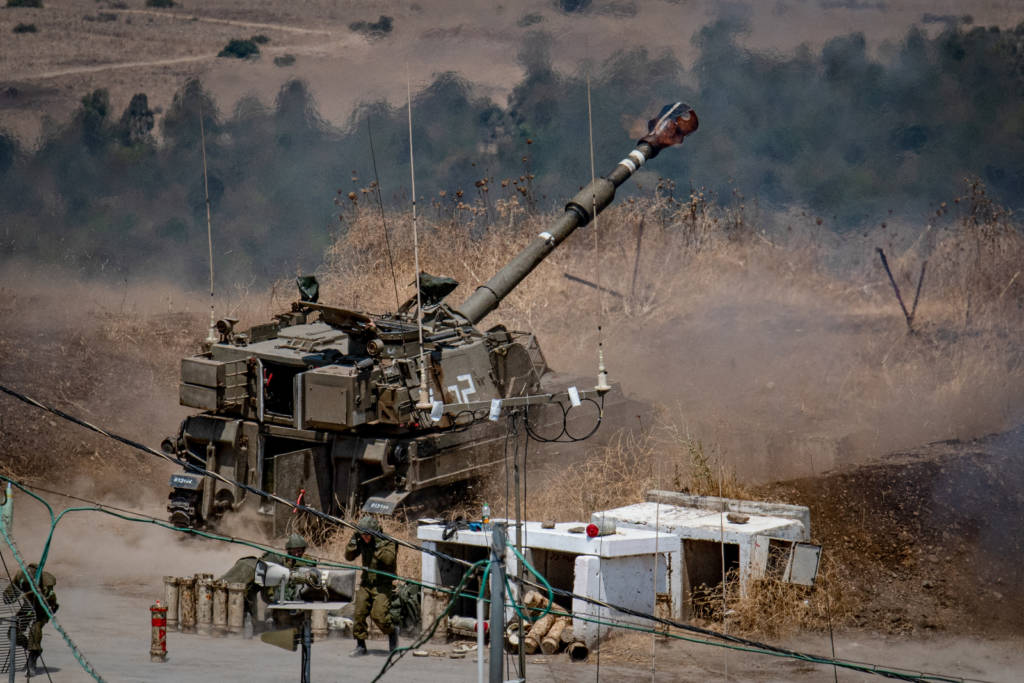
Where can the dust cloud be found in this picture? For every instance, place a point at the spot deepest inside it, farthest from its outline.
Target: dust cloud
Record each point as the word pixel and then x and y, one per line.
pixel 95 549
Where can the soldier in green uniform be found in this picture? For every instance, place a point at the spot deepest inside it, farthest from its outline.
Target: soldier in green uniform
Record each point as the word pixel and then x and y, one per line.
pixel 244 571
pixel 296 549
pixel 374 595
pixel 32 614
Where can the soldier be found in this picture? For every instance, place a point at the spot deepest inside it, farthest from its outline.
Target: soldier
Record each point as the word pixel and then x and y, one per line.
pixel 374 596
pixel 295 547
pixel 244 571
pixel 32 611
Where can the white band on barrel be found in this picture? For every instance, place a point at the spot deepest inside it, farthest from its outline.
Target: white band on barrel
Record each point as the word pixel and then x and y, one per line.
pixel 634 161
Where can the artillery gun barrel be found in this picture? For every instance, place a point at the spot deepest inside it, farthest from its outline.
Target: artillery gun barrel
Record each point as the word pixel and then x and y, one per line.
pixel 673 123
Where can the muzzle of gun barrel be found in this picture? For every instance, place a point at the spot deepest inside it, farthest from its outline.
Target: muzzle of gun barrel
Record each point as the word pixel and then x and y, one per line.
pixel 673 123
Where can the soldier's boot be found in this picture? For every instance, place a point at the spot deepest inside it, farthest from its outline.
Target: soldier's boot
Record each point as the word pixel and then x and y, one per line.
pixel 393 640
pixel 32 667
pixel 360 648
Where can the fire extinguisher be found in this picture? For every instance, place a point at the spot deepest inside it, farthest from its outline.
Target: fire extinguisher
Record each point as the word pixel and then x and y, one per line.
pixel 158 642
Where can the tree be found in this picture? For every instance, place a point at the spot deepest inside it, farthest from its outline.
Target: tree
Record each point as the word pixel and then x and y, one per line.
pixel 136 122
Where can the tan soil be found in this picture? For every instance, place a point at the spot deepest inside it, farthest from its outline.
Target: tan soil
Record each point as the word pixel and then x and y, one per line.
pixel 45 74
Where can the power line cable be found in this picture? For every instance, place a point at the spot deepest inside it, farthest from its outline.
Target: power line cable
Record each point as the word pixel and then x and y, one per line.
pixel 755 648
pixel 732 639
pixel 194 468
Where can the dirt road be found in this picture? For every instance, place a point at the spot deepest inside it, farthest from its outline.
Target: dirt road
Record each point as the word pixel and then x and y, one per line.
pixel 112 630
pixel 109 572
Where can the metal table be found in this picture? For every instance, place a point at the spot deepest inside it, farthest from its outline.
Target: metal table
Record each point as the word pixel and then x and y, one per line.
pixel 306 637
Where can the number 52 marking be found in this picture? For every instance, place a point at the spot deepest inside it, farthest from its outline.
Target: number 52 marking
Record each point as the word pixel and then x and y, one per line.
pixel 462 394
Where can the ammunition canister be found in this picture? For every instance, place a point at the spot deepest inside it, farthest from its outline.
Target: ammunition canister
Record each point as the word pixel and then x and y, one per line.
pixel 187 604
pixel 171 585
pixel 236 607
pixel 578 651
pixel 220 608
pixel 204 605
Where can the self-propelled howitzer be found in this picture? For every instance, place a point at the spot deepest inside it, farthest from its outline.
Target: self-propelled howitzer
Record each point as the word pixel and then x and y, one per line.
pixel 335 408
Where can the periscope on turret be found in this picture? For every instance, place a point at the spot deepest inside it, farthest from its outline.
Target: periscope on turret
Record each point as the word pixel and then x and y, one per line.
pixel 325 406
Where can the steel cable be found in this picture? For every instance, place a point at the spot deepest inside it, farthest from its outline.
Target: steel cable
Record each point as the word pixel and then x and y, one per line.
pixel 732 640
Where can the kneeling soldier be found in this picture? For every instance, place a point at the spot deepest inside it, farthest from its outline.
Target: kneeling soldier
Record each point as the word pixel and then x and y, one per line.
pixel 32 614
pixel 244 571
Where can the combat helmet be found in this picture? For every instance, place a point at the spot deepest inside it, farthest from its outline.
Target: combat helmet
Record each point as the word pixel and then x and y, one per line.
pixel 47 581
pixel 369 523
pixel 295 542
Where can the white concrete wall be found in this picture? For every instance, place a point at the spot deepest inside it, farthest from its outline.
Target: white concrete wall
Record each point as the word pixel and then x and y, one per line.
pixel 702 524
pixel 620 569
pixel 625 581
pixel 800 513
pixel 428 565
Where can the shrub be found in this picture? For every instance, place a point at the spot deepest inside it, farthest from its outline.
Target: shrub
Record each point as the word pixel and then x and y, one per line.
pixel 25 28
pixel 260 39
pixel 284 60
pixel 160 3
pixel 375 29
pixel 240 49
pixel 24 3
pixel 8 151
pixel 774 608
pixel 570 6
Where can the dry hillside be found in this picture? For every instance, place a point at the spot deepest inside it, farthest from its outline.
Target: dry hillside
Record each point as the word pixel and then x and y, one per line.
pixel 761 361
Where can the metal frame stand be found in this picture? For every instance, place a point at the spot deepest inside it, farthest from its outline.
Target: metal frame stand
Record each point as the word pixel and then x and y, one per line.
pixel 306 632
pixel 306 642
pixel 13 642
pixel 497 604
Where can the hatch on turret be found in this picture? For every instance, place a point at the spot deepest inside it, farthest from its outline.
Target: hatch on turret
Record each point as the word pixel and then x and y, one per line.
pixel 318 337
pixel 334 397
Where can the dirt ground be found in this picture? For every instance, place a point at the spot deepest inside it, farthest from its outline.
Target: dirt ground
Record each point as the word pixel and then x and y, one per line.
pixel 109 574
pixel 932 534
pixel 927 539
pixel 81 45
pixel 194 657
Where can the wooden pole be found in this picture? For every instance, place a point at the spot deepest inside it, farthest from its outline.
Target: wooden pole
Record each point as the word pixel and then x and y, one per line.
pixel 552 642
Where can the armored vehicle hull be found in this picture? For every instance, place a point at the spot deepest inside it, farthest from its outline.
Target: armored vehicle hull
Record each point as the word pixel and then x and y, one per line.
pixel 337 409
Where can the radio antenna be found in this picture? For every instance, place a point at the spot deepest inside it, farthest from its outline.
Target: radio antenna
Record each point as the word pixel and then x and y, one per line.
pixel 424 401
pixel 380 205
pixel 602 373
pixel 211 337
